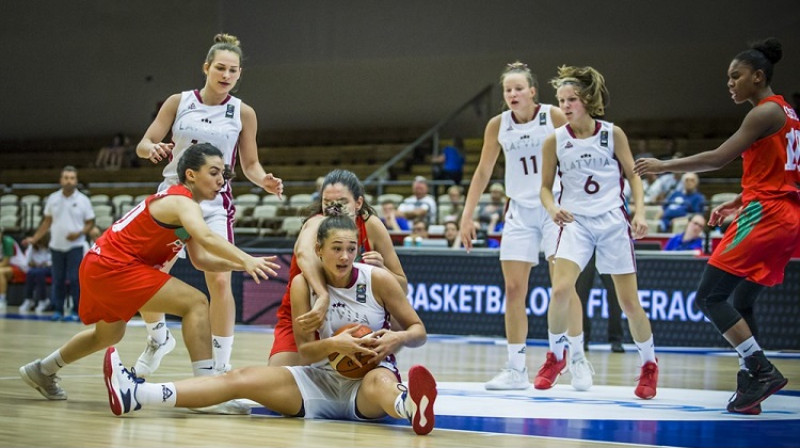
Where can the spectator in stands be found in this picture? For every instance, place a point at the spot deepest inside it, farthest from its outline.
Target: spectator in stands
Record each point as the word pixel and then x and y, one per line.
pixel 391 219
pixel 452 234
pixel 449 164
pixel 659 188
pixel 420 205
pixel 683 202
pixel 691 238
pixel 650 187
pixel 69 217
pixel 455 202
pixel 490 214
pixel 110 157
pixel 419 231
pixel 39 260
pixel 12 264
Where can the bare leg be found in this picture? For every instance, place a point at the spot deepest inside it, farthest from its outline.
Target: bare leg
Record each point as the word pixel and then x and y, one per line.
pixel 285 359
pixel 5 275
pixel 223 307
pixel 628 296
pixel 180 299
pixel 738 333
pixel 561 314
pixel 377 394
pixel 516 275
pixel 150 317
pixel 92 340
pixel 273 387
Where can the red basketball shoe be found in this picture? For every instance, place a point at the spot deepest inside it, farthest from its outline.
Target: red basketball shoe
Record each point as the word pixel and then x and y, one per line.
pixel 648 380
pixel 550 371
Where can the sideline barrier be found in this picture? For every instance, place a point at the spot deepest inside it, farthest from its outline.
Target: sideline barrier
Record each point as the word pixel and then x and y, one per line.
pixel 457 293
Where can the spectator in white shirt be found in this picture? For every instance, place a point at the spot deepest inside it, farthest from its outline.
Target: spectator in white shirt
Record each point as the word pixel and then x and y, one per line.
pixel 69 217
pixel 420 205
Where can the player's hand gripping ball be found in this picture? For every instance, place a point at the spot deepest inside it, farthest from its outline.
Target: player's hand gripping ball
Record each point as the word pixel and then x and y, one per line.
pixel 344 364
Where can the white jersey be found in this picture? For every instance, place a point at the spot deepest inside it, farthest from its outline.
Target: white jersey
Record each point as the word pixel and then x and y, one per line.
pixel 354 304
pixel 591 175
pixel 196 122
pixel 522 146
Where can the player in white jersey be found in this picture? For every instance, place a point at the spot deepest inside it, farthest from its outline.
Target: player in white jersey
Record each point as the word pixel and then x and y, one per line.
pixel 518 132
pixel 209 115
pixel 359 293
pixel 591 156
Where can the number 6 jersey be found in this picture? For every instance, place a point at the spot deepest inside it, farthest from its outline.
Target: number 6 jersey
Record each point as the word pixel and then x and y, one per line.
pixel 591 176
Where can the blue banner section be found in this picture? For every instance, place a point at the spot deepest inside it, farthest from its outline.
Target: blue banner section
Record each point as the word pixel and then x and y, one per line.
pixel 463 294
pixel 459 293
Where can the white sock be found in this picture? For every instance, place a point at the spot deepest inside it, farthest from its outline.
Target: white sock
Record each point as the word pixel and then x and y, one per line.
pixel 647 350
pixel 516 356
pixel 2 297
pixel 742 366
pixel 400 405
pixel 576 346
pixel 221 347
pixel 204 367
pixel 748 347
pixel 557 344
pixel 53 363
pixel 157 330
pixel 163 394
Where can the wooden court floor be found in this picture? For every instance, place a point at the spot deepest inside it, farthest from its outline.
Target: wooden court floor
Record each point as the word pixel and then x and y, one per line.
pixel 84 420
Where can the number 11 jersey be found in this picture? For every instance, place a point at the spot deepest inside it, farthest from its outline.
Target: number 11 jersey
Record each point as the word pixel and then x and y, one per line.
pixel 522 147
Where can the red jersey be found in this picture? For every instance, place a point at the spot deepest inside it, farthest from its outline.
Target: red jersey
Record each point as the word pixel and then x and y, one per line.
pixel 138 237
pixel 772 164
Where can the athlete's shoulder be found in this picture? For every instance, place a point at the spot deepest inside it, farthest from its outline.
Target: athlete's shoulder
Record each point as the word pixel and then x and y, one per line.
pixel 374 224
pixel 495 121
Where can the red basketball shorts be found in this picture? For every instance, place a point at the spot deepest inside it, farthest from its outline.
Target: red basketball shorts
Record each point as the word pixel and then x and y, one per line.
pixel 112 291
pixel 760 242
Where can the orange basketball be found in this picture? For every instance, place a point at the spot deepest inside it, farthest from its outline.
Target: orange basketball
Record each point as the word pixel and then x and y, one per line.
pixel 343 364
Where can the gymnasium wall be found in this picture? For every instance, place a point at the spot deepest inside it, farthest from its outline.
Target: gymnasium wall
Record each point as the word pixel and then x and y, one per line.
pixel 97 67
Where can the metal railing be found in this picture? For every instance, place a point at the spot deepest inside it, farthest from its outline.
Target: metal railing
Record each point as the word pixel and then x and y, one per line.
pixel 378 178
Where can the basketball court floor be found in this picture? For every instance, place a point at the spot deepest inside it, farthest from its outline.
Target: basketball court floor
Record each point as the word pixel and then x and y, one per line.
pixel 689 410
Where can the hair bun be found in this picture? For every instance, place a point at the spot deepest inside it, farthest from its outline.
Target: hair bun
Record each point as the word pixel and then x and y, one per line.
pixel 226 39
pixel 335 209
pixel 771 48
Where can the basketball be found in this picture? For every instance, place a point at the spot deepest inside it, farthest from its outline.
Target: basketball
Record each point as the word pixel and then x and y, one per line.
pixel 343 364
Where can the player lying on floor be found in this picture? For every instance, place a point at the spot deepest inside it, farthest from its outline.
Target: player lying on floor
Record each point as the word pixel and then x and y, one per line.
pixel 359 294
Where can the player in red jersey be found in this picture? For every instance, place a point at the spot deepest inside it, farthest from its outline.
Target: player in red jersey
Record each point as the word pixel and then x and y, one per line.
pixel 340 189
pixel 757 246
pixel 121 273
